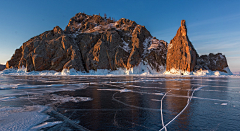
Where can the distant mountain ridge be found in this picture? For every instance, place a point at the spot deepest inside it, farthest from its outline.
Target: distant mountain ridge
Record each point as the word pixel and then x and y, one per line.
pixel 93 42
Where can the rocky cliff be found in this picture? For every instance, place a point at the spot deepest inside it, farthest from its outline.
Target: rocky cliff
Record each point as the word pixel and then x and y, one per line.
pixel 181 55
pixel 213 62
pixel 93 42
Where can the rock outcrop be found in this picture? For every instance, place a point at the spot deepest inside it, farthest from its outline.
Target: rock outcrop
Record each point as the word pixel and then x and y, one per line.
pixel 89 43
pixel 2 67
pixel 51 50
pixel 93 42
pixel 213 62
pixel 156 56
pixel 181 55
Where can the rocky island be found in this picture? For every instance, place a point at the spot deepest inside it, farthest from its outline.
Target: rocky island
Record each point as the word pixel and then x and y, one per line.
pixel 95 42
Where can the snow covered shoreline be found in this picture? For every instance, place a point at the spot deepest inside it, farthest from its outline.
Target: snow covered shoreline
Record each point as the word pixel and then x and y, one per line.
pixel 136 71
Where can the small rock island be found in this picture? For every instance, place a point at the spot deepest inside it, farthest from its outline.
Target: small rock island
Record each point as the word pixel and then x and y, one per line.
pixel 95 42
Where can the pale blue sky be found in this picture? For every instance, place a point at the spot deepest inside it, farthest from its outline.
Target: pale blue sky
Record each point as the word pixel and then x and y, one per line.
pixel 213 26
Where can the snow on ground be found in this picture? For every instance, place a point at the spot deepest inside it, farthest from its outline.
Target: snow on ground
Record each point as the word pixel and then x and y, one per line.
pixel 140 70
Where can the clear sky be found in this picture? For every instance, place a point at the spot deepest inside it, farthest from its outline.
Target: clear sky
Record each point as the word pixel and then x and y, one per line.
pixel 213 25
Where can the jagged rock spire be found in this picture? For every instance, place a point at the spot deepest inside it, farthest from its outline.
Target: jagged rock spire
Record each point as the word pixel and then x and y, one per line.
pixel 181 56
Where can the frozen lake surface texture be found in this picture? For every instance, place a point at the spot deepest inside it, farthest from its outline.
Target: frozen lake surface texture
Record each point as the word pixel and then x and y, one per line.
pixel 119 103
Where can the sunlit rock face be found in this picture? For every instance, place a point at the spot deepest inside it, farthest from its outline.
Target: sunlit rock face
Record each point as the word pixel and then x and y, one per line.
pixel 181 55
pixel 95 42
pixel 51 50
pixel 89 43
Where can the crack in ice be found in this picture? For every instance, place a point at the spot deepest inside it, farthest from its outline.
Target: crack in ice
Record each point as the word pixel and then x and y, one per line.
pixel 151 109
pixel 161 110
pixel 189 99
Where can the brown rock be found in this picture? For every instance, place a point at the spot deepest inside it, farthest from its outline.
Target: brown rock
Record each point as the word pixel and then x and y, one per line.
pixel 88 43
pixel 93 42
pixel 82 22
pixel 48 51
pixel 213 62
pixel 156 58
pixel 14 62
pixel 181 54
pixel 139 35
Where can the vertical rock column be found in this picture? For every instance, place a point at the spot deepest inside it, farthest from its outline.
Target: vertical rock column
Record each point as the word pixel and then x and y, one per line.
pixel 181 56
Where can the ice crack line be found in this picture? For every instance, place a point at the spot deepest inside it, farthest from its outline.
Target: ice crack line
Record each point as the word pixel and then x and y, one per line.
pixel 66 119
pixel 189 99
pixel 142 108
pixel 161 110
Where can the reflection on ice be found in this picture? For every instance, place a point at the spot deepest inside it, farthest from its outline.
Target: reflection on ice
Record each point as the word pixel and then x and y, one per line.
pixel 122 103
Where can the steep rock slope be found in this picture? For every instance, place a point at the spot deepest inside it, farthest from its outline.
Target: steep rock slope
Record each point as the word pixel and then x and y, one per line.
pixel 181 55
pixel 90 43
pixel 51 50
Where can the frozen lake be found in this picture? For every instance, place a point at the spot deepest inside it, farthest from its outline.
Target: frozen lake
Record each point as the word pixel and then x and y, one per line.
pixel 119 103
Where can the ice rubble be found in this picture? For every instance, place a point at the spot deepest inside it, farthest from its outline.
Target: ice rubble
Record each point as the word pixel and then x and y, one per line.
pixel 21 118
pixel 27 118
pixel 141 70
pixel 199 72
pixel 46 124
pixel 64 99
pixel 33 117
